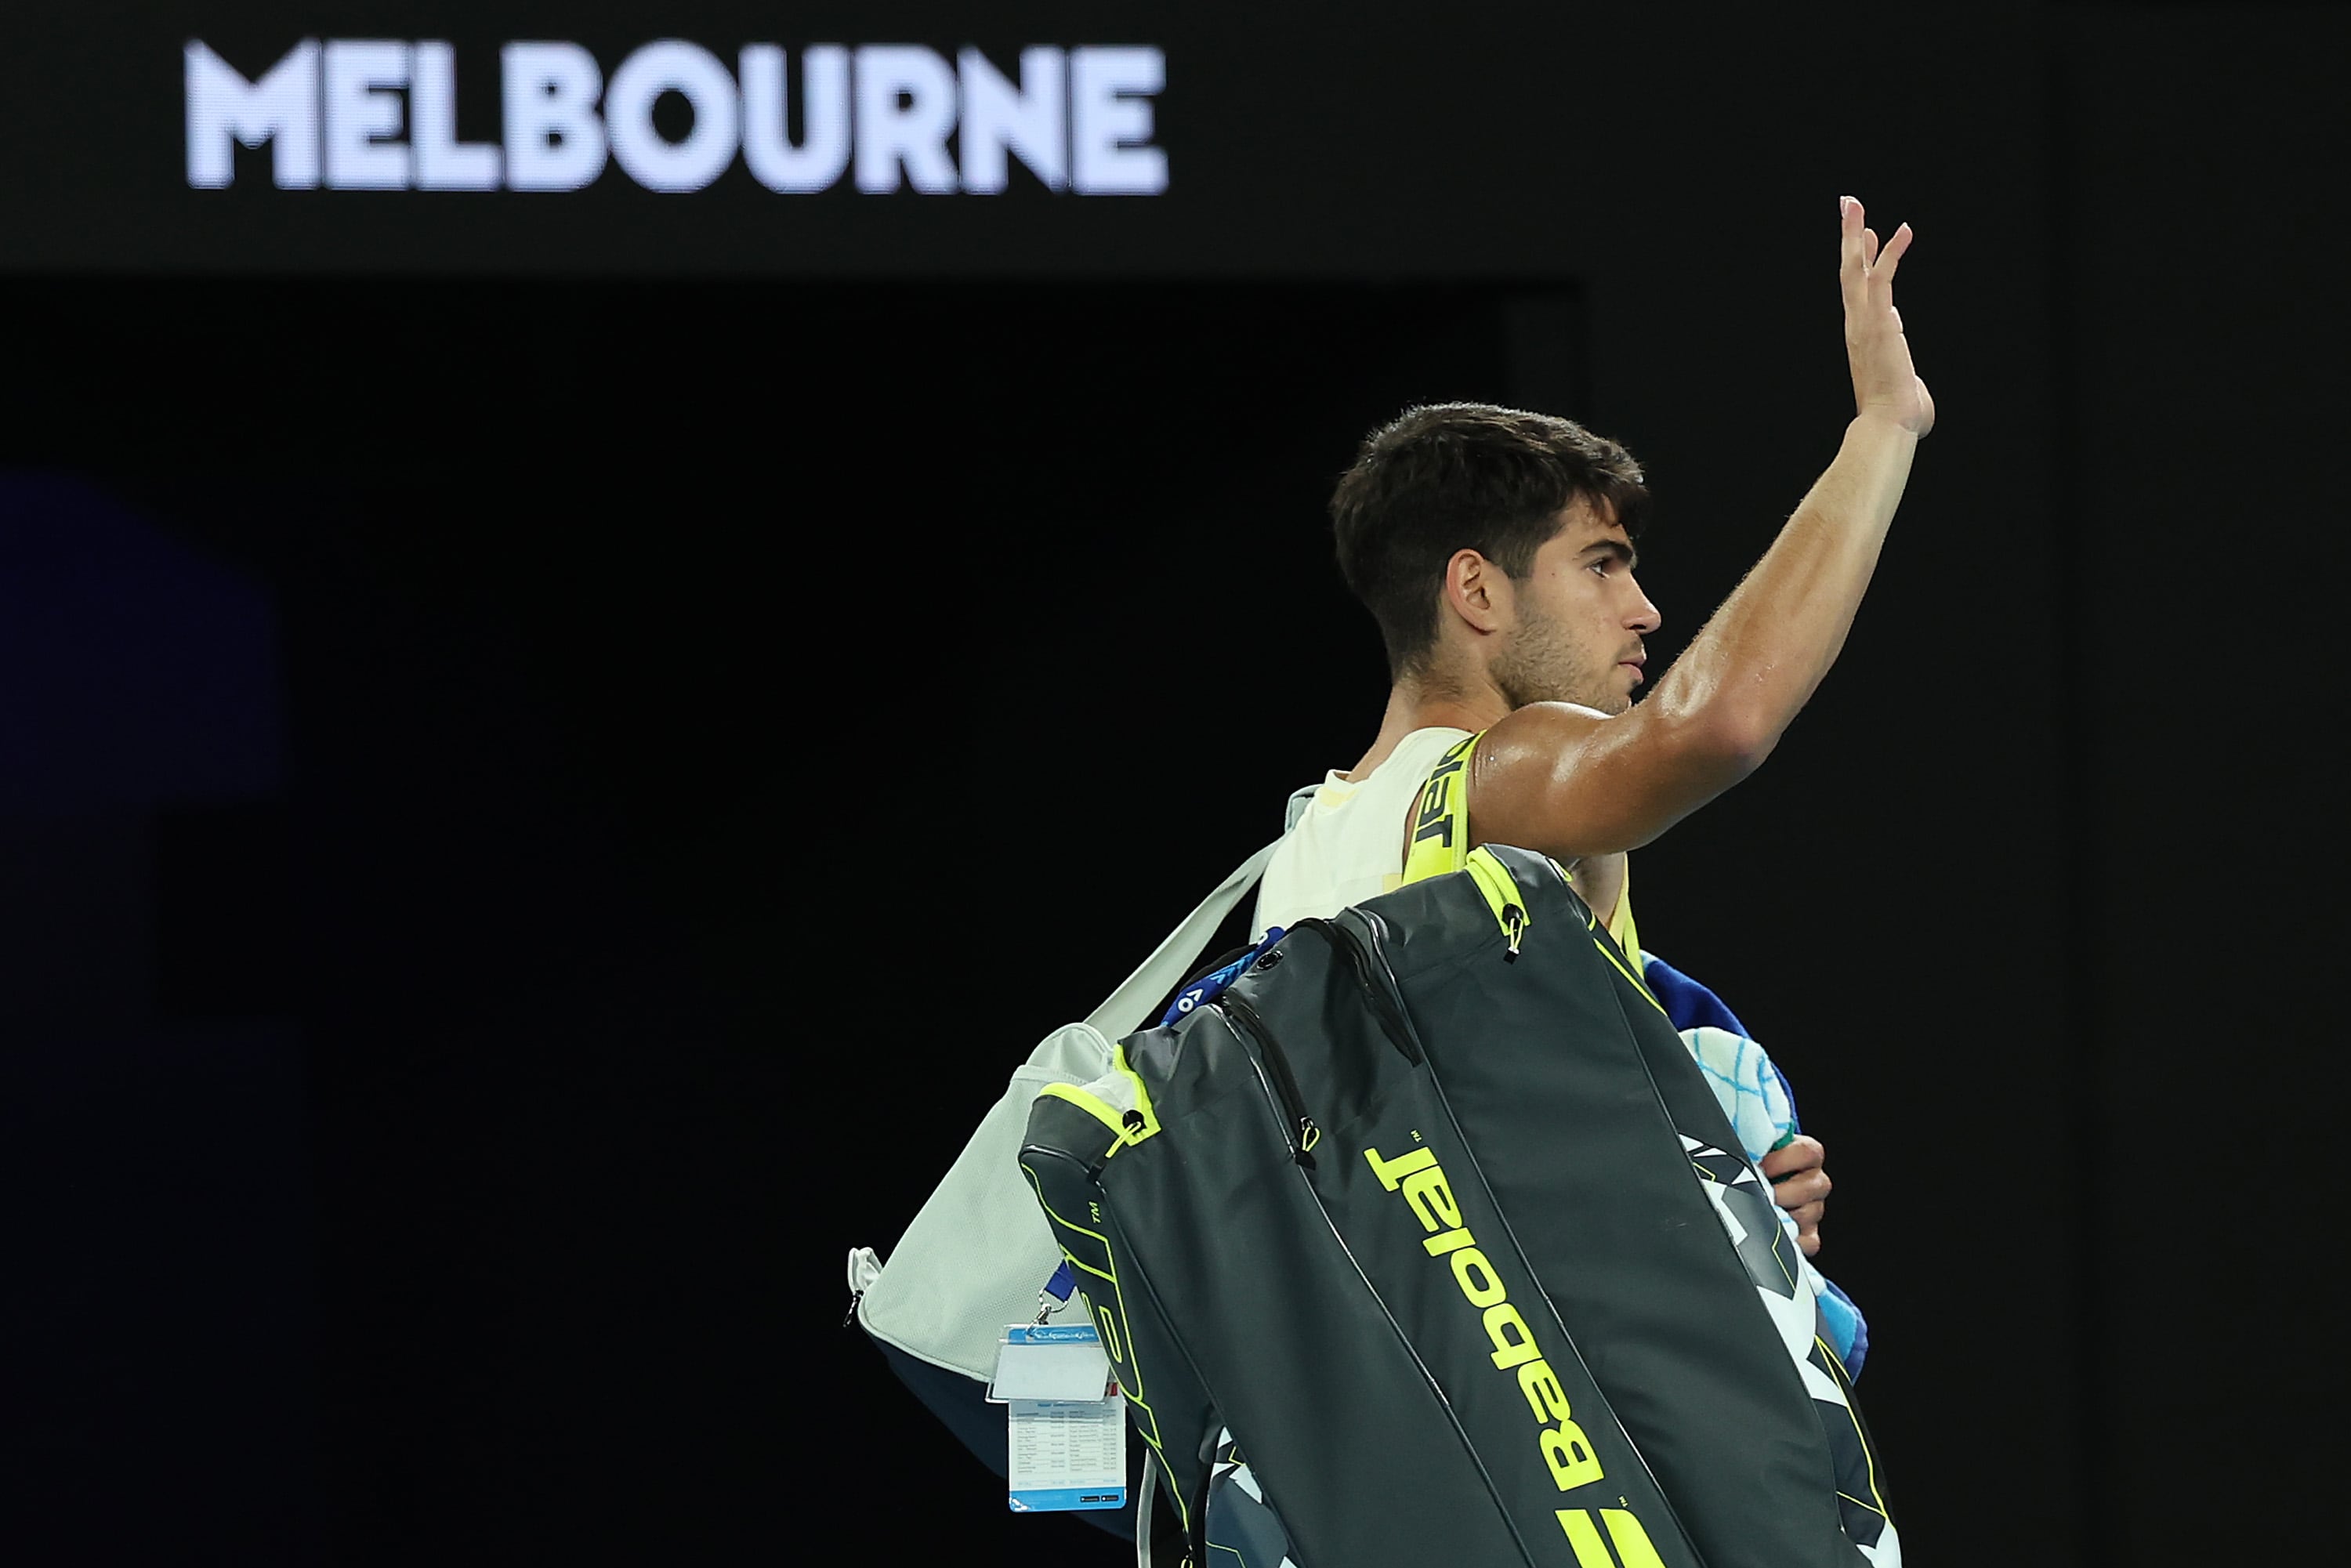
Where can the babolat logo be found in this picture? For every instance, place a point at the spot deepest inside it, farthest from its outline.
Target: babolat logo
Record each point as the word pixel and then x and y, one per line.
pixel 1565 1449
pixel 380 114
pixel 1435 818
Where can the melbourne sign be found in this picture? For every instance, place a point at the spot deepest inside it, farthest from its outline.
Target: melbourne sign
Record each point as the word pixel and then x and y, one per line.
pixel 374 114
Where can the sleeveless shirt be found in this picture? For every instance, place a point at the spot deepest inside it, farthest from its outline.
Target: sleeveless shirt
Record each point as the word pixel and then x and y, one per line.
pixel 1349 843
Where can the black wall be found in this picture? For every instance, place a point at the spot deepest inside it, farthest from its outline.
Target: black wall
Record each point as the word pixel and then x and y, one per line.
pixel 722 723
pixel 2203 439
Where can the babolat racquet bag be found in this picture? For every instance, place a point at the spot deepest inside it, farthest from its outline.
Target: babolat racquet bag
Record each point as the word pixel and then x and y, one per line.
pixel 1430 1213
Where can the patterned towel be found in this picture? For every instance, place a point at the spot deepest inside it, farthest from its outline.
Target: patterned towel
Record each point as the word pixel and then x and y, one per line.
pixel 1754 1093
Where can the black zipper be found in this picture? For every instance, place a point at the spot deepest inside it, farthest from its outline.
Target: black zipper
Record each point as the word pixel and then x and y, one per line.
pixel 1384 1005
pixel 1428 1378
pixel 1301 1130
pixel 1393 1022
pixel 1284 1085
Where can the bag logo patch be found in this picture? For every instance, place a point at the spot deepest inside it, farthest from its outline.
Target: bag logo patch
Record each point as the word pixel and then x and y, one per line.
pixel 1567 1453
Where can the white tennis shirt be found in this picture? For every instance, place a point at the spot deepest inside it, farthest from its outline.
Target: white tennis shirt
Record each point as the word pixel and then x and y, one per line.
pixel 1348 845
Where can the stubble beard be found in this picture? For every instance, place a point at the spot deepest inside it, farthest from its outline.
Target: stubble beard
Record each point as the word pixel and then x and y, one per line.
pixel 1541 664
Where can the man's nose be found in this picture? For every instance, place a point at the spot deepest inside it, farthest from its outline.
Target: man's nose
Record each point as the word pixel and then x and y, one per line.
pixel 1644 618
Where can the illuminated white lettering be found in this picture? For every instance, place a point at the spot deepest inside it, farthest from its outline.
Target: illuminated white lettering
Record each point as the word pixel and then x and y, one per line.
pixel 363 113
pixel 695 74
pixel 1110 122
pixel 905 111
pixel 823 155
pixel 1030 121
pixel 444 162
pixel 279 111
pixel 380 114
pixel 554 140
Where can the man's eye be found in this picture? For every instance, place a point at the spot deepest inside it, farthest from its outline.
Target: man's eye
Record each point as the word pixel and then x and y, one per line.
pixel 1602 566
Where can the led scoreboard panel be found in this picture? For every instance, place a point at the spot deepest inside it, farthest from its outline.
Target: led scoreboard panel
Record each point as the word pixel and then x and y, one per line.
pixel 871 140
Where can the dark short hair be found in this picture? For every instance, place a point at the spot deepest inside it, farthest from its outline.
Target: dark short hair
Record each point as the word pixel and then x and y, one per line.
pixel 1465 476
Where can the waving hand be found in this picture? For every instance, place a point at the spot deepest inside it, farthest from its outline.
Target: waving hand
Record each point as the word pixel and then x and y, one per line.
pixel 1885 382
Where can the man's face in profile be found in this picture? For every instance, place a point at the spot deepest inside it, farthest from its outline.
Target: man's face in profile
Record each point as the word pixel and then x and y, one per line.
pixel 1580 617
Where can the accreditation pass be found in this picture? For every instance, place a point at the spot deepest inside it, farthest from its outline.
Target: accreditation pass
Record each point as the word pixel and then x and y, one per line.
pixel 1067 1425
pixel 1068 1454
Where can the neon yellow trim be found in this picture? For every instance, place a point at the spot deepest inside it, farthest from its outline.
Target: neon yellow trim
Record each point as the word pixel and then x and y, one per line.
pixel 1609 953
pixel 1142 1099
pixel 1620 924
pixel 1779 1239
pixel 1109 1115
pixel 1440 843
pixel 1038 1188
pixel 1100 1109
pixel 1500 892
pixel 1633 1545
pixel 1134 1396
pixel 1132 1369
pixel 1584 1538
pixel 1440 824
pixel 1868 1457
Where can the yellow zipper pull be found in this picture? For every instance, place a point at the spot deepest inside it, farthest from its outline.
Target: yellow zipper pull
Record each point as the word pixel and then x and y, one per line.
pixel 1496 886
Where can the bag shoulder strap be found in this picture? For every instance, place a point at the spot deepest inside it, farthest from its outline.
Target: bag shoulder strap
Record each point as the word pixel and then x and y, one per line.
pixel 1440 838
pixel 1441 843
pixel 1440 828
pixel 1127 1008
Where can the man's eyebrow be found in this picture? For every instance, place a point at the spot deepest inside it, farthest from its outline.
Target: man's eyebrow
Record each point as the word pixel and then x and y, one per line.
pixel 1616 547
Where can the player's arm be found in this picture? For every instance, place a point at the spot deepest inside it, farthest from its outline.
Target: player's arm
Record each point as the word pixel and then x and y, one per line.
pixel 1571 781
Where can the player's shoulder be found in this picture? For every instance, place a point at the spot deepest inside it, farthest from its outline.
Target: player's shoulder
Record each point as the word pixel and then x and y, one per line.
pixel 1521 762
pixel 1536 730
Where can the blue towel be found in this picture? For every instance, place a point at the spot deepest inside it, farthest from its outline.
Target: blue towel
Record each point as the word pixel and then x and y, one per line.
pixel 1756 1096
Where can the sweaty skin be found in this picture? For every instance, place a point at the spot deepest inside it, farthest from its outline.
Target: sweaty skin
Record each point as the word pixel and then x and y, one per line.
pixel 1546 665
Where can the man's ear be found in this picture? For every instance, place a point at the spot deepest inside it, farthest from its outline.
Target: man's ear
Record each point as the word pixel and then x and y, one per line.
pixel 1477 591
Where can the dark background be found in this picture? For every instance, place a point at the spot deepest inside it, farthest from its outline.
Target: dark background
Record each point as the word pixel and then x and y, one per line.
pixel 557 749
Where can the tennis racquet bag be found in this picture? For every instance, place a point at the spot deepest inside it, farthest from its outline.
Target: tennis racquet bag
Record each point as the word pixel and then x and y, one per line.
pixel 1432 1210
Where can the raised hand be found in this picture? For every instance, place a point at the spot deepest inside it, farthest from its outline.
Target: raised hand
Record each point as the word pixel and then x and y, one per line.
pixel 1884 383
